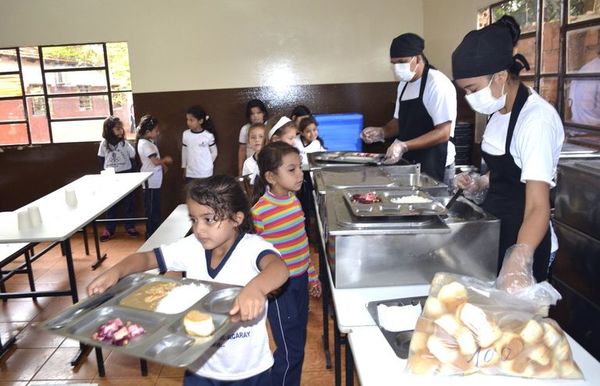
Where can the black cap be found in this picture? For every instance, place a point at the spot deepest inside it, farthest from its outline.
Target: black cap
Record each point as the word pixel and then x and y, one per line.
pixel 483 52
pixel 408 44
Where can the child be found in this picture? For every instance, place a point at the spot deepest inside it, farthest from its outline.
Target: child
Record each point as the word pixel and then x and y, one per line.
pixel 257 138
pixel 223 249
pixel 151 162
pixel 256 112
pixel 115 152
pixel 278 218
pixel 299 112
pixel 283 129
pixel 199 149
pixel 308 141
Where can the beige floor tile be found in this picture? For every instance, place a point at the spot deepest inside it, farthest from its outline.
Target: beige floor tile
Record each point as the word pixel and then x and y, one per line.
pixel 34 337
pixel 119 365
pixel 140 381
pixel 13 383
pixel 171 372
pixel 59 367
pixel 21 364
pixel 169 381
pixel 21 311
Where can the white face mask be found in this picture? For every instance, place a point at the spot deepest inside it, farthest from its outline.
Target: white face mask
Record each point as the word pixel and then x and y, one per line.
pixel 484 102
pixel 403 72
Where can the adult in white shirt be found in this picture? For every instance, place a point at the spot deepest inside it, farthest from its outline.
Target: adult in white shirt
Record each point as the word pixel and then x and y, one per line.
pixel 521 146
pixel 584 96
pixel 425 113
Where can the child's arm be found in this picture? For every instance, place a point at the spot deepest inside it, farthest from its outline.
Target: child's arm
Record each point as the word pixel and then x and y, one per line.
pixel 184 156
pixel 241 157
pixel 314 284
pixel 213 151
pixel 137 262
pixel 101 162
pixel 250 303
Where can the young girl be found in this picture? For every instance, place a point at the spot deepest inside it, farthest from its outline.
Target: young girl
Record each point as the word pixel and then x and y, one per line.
pixel 151 162
pixel 283 129
pixel 115 152
pixel 299 112
pixel 257 138
pixel 256 112
pixel 308 141
pixel 223 249
pixel 278 218
pixel 199 149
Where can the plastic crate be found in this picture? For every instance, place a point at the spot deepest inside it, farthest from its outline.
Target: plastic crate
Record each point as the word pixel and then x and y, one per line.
pixel 340 131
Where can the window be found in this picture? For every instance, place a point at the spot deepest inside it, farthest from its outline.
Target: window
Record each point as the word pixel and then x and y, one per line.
pixel 54 94
pixel 564 53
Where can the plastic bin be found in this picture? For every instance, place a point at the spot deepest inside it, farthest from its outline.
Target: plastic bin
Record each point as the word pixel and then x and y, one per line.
pixel 340 131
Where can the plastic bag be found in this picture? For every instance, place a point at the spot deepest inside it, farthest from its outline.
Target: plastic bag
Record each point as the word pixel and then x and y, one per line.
pixel 469 326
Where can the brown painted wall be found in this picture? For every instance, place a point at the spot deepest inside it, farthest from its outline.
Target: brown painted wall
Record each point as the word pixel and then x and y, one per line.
pixel 30 173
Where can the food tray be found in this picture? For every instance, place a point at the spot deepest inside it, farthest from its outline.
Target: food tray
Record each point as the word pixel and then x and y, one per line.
pixel 165 340
pixel 391 204
pixel 350 157
pixel 400 341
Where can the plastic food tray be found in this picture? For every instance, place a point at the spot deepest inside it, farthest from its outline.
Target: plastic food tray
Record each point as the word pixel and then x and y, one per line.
pixel 389 207
pixel 165 340
pixel 350 157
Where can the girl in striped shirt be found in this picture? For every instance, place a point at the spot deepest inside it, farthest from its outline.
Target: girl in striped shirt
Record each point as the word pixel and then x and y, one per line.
pixel 279 219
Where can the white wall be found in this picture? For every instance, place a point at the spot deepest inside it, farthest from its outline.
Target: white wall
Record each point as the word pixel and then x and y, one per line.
pixel 209 44
pixel 445 23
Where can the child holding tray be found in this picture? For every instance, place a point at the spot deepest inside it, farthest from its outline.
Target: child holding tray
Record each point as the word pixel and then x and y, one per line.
pixel 223 249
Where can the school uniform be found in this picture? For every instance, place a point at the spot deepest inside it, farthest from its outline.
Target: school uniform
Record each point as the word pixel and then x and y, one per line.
pixel 250 169
pixel 242 356
pixel 146 150
pixel 421 105
pixel 119 157
pixel 519 146
pixel 196 155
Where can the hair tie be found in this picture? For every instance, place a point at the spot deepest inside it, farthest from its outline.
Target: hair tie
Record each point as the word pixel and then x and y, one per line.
pixel 207 117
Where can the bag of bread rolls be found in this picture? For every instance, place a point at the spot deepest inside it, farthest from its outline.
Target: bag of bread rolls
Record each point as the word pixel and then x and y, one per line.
pixel 469 326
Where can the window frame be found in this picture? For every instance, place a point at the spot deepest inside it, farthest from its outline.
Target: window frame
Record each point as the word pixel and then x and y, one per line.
pixel 48 96
pixel 561 75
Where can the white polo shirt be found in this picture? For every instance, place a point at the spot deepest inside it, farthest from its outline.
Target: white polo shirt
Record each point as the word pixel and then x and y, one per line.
pixel 439 98
pixel 196 157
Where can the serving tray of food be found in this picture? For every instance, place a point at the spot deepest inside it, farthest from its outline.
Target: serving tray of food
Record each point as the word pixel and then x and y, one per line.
pixel 350 157
pixel 162 319
pixel 390 203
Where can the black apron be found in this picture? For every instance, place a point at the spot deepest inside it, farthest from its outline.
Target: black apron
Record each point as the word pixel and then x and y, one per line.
pixel 414 121
pixel 506 196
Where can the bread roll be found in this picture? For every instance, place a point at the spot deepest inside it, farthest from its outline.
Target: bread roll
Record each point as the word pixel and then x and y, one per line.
pixel 452 295
pixel 423 363
pixel 540 354
pixel 487 357
pixel 532 332
pixel 448 323
pixel 441 350
pixel 418 342
pixel 466 342
pixel 475 319
pixel 551 336
pixel 433 308
pixel 568 369
pixel 198 323
pixel 424 325
pixel 510 345
pixel 562 350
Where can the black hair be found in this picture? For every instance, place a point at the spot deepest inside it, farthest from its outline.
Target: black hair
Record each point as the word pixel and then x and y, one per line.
pixel 280 130
pixel 147 123
pixel 225 196
pixel 107 131
pixel 519 61
pixel 299 111
pixel 305 122
pixel 269 159
pixel 256 103
pixel 200 114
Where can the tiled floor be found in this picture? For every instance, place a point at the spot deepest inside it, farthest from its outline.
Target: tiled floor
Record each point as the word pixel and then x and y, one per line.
pixel 40 358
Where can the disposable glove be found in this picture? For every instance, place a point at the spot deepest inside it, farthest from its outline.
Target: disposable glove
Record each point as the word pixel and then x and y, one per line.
pixel 394 152
pixel 516 273
pixel 372 134
pixel 474 185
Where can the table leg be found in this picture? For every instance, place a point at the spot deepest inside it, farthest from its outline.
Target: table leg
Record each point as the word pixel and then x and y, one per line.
pixel 30 274
pixel 349 363
pixel 99 258
pixel 86 243
pixel 4 347
pixel 325 286
pixel 100 362
pixel 337 352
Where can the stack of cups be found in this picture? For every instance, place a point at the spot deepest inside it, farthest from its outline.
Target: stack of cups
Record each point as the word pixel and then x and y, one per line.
pixel 30 218
pixel 71 198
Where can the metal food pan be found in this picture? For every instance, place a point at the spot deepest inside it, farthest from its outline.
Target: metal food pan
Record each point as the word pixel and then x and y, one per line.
pixel 399 341
pixel 350 157
pixel 165 339
pixel 390 204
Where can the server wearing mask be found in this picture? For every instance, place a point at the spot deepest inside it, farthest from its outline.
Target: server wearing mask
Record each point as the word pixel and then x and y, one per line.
pixel 521 145
pixel 425 113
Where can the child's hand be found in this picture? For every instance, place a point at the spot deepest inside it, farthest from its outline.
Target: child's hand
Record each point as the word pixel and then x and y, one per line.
pixel 314 288
pixel 103 282
pixel 165 169
pixel 249 304
pixel 167 160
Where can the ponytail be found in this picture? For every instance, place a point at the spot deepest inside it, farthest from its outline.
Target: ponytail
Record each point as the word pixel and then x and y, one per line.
pixel 519 63
pixel 258 189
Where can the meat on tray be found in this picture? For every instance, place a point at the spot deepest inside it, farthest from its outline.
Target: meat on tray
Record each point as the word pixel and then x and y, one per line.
pixel 117 333
pixel 367 198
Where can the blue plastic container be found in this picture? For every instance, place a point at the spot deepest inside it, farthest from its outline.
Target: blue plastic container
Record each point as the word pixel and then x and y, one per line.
pixel 341 131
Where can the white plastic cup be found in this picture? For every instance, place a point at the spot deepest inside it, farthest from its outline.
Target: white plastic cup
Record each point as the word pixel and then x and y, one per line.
pixel 35 217
pixel 71 197
pixel 23 220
